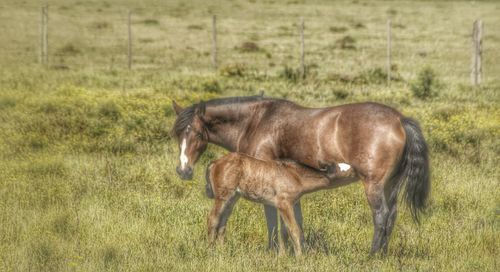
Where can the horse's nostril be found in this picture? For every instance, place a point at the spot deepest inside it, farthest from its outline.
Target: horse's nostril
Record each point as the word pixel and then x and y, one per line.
pixel 185 174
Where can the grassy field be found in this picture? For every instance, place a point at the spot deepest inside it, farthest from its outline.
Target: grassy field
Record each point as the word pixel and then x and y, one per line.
pixel 87 162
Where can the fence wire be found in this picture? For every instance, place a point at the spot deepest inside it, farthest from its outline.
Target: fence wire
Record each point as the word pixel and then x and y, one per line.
pixel 163 41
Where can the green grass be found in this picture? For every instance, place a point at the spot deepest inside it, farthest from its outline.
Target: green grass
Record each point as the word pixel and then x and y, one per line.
pixel 87 162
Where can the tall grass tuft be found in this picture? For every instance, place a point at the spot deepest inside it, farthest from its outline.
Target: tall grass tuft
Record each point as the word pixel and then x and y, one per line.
pixel 426 85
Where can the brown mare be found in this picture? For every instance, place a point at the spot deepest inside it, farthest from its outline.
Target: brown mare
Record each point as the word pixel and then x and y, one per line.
pixel 386 149
pixel 276 183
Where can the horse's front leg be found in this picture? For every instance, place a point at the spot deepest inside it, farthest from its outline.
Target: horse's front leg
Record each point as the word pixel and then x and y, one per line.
pixel 272 226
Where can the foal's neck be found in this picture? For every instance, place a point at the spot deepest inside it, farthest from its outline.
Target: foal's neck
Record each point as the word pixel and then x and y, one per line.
pixel 310 179
pixel 313 182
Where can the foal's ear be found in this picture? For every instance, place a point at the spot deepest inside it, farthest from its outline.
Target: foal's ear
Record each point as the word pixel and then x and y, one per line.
pixel 200 109
pixel 178 109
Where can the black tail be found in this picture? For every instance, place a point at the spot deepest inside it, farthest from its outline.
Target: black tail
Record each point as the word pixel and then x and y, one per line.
pixel 208 186
pixel 413 171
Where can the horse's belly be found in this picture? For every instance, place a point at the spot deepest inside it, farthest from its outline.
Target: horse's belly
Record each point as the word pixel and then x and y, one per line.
pixel 318 159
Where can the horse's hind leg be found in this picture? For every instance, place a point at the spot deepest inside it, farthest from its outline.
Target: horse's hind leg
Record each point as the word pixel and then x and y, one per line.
pixel 389 226
pixel 391 219
pixel 380 213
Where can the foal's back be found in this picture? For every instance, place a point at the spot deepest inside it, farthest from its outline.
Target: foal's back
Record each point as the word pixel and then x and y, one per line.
pixel 257 179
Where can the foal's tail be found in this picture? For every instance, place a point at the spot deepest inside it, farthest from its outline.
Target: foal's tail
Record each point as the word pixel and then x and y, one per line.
pixel 413 171
pixel 208 186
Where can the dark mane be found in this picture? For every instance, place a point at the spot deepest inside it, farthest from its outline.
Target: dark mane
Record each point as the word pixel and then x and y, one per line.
pixel 185 118
pixel 234 100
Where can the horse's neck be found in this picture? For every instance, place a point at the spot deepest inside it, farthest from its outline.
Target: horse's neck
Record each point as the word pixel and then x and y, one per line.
pixel 227 123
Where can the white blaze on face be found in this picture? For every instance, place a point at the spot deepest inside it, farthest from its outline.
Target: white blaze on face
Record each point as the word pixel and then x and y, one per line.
pixel 183 158
pixel 344 166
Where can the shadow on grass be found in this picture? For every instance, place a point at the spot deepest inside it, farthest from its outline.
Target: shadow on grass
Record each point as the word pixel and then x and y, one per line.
pixel 316 241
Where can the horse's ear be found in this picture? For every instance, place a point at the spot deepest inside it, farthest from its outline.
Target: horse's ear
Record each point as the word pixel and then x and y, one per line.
pixel 200 109
pixel 178 109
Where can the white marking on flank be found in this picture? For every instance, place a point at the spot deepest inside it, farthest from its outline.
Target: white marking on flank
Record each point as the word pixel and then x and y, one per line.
pixel 344 166
pixel 183 158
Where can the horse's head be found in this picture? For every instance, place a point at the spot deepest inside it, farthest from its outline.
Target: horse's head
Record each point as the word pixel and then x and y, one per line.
pixel 192 137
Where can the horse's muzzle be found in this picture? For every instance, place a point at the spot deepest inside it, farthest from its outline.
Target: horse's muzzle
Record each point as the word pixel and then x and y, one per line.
pixel 185 174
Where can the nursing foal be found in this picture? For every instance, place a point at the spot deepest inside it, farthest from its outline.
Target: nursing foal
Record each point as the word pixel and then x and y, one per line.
pixel 276 183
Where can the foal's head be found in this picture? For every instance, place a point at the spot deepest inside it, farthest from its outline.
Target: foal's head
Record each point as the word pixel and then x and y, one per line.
pixel 192 137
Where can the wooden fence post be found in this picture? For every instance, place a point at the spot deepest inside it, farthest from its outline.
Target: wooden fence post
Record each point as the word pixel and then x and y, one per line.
pixel 41 34
pixel 44 35
pixel 129 23
pixel 214 42
pixel 389 45
pixel 302 58
pixel 477 48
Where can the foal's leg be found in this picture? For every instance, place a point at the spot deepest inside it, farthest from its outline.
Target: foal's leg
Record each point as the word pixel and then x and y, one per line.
pixel 272 226
pixel 380 212
pixel 298 216
pixel 284 232
pixel 228 209
pixel 214 217
pixel 288 216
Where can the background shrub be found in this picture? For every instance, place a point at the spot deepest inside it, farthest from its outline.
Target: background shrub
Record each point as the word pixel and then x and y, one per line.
pixel 426 85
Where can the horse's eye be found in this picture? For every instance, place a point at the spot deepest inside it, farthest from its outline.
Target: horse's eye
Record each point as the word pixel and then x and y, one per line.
pixel 199 135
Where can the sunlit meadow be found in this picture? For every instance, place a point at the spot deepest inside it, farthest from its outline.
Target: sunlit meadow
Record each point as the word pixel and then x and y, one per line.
pixel 87 161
